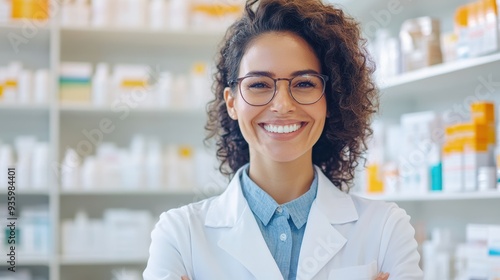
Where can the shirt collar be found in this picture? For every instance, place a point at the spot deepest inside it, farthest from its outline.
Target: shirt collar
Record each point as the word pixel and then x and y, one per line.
pixel 264 206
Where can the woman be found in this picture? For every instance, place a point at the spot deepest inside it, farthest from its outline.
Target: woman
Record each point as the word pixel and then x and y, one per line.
pixel 292 109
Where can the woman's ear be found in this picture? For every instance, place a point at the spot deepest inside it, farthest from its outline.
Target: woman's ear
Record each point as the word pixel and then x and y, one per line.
pixel 229 98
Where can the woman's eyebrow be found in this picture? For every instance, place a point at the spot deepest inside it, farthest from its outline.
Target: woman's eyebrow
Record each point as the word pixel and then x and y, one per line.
pixel 271 74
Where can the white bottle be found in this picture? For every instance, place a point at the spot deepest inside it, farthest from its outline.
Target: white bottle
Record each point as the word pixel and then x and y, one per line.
pixel 164 90
pixel 40 165
pixel 89 171
pixel 130 13
pixel 70 170
pixel 133 170
pixel 181 98
pixel 178 15
pixel 154 165
pixel 109 159
pixel 100 85
pixel 157 14
pixel 11 86
pixel 82 13
pixel 5 11
pixel 437 256
pixel 24 149
pixel 199 85
pixel 25 86
pixel 81 226
pixel 67 13
pixel 6 161
pixel 173 180
pixel 41 87
pixel 100 13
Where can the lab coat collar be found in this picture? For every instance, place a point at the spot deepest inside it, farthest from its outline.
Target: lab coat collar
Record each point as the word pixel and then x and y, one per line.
pixel 335 204
pixel 321 240
pixel 231 210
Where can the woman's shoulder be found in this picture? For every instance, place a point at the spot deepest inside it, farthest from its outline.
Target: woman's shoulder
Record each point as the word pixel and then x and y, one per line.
pixel 376 208
pixel 189 212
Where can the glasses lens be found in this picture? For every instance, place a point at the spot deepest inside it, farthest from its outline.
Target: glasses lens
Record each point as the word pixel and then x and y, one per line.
pixel 257 90
pixel 307 89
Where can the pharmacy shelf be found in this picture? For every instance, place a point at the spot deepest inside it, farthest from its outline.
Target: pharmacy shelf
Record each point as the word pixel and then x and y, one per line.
pixel 14 25
pixel 367 11
pixel 30 192
pixel 122 192
pixel 102 260
pixel 142 36
pixel 32 260
pixel 442 79
pixel 25 107
pixel 90 109
pixel 24 32
pixel 435 196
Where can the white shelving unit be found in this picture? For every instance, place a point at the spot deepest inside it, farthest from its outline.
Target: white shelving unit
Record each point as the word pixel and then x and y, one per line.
pixel 436 196
pixel 435 88
pixel 61 124
pixel 447 87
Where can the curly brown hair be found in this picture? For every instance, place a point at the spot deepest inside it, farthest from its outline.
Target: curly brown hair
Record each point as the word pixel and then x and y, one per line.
pixel 351 95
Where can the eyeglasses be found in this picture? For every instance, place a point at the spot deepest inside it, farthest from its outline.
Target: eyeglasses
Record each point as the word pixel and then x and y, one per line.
pixel 259 90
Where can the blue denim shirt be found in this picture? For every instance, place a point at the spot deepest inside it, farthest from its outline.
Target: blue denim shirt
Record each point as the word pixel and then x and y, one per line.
pixel 282 226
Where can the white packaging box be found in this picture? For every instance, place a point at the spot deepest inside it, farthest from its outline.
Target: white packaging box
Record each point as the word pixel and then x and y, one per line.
pixel 419 130
pixel 494 240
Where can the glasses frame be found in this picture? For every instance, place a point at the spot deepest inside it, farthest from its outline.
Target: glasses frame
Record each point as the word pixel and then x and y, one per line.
pixel 238 81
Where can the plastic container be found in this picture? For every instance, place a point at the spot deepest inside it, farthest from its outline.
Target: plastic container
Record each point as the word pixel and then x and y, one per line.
pixel 178 15
pixel 25 88
pixel 41 87
pixel 130 13
pixel 420 43
pixel 24 151
pixel 491 42
pixel 101 15
pixel 157 14
pixel 70 170
pixel 100 85
pixel 5 11
pixel 438 256
pixel 40 165
pixel 453 160
pixel 462 31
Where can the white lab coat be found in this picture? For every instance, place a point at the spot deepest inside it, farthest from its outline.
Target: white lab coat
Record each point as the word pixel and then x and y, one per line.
pixel 346 237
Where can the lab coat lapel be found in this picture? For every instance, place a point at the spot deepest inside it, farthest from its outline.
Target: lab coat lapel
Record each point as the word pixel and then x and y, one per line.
pixel 243 241
pixel 321 240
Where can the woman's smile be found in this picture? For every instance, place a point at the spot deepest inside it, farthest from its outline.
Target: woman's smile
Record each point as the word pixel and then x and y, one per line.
pixel 276 128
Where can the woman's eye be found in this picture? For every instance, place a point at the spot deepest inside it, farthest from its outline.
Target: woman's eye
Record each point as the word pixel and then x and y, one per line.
pixel 259 85
pixel 304 84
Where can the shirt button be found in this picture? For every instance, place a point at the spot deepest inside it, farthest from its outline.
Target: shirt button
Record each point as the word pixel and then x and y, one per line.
pixel 283 237
pixel 279 209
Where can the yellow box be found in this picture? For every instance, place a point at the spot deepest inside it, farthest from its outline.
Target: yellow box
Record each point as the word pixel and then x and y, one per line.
pixel 483 112
pixel 30 9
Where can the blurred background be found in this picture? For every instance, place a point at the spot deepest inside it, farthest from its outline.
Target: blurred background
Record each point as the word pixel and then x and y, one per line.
pixel 102 113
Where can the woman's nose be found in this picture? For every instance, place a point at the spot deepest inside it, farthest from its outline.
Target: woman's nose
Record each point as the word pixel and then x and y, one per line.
pixel 282 102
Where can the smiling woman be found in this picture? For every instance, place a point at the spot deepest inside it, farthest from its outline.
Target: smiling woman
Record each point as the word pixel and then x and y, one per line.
pixel 291 114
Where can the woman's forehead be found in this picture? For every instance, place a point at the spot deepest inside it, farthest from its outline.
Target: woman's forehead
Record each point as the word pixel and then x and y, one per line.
pixel 280 53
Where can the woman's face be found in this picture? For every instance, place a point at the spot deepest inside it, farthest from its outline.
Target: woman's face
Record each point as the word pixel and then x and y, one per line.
pixel 281 55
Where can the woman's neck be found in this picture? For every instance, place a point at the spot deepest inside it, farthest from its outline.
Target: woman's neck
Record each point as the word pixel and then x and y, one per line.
pixel 284 182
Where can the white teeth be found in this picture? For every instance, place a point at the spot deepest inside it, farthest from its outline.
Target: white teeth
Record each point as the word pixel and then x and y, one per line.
pixel 282 128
